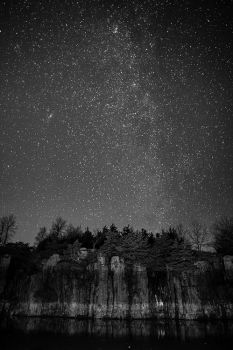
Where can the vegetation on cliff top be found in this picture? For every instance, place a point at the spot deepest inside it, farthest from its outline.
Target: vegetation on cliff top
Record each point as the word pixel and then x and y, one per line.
pixel 170 249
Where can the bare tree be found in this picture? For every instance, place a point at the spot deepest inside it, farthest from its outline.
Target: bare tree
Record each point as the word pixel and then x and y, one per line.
pixel 41 235
pixel 7 228
pixel 198 235
pixel 58 227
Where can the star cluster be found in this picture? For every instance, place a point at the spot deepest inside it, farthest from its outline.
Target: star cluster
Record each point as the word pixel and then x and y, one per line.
pixel 116 111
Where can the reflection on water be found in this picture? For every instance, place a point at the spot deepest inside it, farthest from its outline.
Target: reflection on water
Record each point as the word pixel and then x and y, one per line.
pixel 138 334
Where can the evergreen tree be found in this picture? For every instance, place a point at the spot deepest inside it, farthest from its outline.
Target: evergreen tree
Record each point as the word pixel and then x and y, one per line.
pixel 87 239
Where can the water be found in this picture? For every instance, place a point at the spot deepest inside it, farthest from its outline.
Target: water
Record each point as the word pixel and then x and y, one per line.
pixel 68 334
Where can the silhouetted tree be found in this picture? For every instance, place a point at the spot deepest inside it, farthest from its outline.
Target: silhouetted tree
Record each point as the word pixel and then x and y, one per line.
pixel 113 228
pixel 132 246
pixel 170 252
pixel 100 237
pixel 198 235
pixel 171 234
pixel 41 235
pixel 105 230
pixel 73 233
pixel 223 235
pixel 87 239
pixel 111 244
pixel 147 236
pixel 151 238
pixel 7 228
pixel 58 227
pixel 127 230
pixel 135 248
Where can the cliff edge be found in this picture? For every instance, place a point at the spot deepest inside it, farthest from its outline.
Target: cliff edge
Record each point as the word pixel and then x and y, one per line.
pixel 112 289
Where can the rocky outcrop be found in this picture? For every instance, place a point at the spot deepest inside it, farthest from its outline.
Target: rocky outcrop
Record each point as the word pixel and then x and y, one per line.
pixel 114 290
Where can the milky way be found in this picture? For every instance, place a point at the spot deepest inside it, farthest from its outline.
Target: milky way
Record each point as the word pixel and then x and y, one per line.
pixel 116 111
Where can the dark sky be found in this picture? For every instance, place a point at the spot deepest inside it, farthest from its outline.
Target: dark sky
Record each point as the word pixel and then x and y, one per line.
pixel 116 111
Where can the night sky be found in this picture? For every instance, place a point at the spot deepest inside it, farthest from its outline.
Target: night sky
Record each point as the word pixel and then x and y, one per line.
pixel 116 111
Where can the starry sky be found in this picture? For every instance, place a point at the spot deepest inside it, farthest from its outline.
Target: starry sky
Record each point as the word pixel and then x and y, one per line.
pixel 116 111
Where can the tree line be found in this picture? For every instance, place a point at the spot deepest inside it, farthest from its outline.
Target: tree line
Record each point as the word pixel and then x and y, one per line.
pixel 111 239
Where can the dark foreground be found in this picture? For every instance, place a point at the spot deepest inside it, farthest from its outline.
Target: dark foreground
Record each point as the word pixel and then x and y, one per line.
pixel 68 334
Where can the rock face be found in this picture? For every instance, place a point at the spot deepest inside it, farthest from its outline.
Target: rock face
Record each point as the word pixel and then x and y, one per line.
pixel 4 265
pixel 113 290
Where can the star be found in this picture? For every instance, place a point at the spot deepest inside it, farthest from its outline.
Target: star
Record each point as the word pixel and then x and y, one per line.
pixel 120 112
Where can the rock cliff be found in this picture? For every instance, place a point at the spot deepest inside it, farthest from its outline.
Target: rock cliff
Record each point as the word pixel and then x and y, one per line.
pixel 115 290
